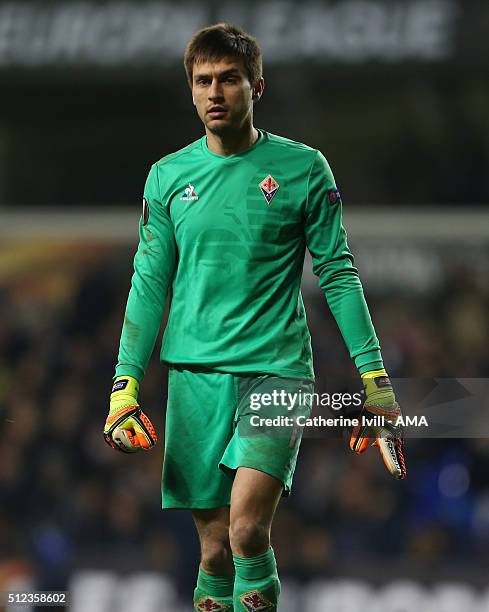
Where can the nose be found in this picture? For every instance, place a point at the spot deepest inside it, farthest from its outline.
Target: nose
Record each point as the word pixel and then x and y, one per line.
pixel 215 91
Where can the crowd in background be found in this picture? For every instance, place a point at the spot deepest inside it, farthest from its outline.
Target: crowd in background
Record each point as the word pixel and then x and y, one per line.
pixel 67 500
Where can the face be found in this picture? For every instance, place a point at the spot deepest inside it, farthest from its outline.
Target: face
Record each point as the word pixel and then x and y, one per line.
pixel 223 95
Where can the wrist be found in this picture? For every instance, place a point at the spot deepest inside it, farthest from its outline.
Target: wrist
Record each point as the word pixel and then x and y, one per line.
pixel 374 373
pixel 366 362
pixel 378 388
pixel 125 386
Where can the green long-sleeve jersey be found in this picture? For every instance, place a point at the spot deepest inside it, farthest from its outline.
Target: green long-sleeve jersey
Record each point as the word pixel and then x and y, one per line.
pixel 227 236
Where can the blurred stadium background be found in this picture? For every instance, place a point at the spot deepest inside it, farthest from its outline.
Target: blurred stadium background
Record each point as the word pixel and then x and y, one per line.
pixel 396 94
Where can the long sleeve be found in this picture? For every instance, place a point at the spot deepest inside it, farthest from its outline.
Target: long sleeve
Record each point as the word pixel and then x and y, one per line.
pixel 154 266
pixel 333 264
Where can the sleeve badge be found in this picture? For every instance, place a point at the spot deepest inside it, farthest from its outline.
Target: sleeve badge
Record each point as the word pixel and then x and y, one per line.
pixel 334 195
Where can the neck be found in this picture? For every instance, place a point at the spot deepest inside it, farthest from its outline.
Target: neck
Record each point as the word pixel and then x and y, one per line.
pixel 231 143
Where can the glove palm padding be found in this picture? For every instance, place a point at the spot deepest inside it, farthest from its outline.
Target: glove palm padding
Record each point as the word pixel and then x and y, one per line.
pixel 127 428
pixel 386 435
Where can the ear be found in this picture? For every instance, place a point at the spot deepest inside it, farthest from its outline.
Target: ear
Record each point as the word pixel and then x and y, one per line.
pixel 258 90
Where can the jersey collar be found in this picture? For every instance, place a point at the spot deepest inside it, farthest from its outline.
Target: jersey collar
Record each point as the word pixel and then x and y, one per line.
pixel 262 137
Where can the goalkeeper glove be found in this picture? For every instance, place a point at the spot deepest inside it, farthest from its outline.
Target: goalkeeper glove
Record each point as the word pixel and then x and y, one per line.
pixel 127 428
pixel 383 432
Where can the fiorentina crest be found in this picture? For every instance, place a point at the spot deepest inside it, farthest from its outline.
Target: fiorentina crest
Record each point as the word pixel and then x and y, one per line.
pixel 209 604
pixel 269 188
pixel 254 601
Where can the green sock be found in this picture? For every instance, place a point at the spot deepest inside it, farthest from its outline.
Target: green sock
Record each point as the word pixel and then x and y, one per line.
pixel 256 585
pixel 213 592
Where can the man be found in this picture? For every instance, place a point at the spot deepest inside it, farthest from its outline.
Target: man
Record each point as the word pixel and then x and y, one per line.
pixel 225 224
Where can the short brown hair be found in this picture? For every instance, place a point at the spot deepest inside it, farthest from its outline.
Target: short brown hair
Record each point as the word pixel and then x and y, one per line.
pixel 224 40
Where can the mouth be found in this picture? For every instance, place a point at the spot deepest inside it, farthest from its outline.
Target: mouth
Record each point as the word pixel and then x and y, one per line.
pixel 217 112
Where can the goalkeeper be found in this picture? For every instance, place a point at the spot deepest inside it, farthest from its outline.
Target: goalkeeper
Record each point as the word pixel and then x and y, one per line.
pixel 225 224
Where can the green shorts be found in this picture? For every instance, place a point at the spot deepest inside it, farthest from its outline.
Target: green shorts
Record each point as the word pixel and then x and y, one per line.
pixel 217 422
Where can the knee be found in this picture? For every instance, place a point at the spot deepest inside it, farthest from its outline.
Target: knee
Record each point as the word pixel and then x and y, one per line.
pixel 248 538
pixel 216 557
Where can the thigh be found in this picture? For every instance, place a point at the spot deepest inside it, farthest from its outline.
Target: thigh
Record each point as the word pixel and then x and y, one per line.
pixel 267 436
pixel 199 425
pixel 254 499
pixel 213 528
pixel 212 524
pixel 255 495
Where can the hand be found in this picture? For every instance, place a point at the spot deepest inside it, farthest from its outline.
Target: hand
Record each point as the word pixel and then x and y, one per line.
pixel 382 430
pixel 127 428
